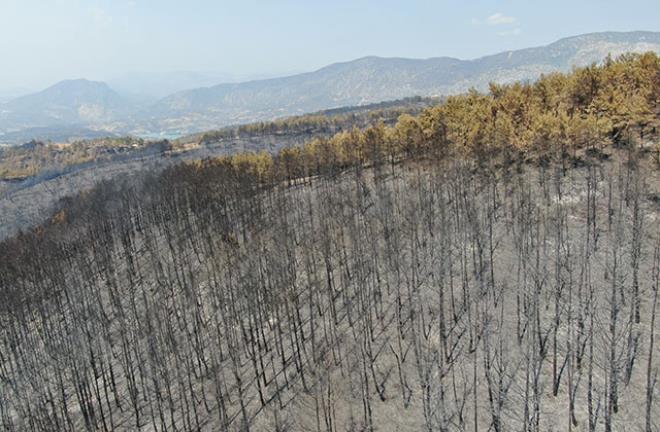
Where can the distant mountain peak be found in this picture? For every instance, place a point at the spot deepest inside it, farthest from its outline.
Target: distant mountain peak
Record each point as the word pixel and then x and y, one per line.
pixel 73 101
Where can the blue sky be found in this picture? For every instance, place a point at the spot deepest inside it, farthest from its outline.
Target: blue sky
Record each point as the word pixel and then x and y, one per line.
pixel 44 41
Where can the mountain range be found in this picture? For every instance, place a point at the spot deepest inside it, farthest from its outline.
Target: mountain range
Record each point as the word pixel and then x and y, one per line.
pixel 98 107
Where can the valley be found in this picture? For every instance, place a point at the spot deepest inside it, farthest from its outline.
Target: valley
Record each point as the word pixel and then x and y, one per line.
pixel 35 176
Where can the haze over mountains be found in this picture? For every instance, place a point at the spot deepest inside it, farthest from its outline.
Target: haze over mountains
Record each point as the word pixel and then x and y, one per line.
pixel 98 108
pixel 152 86
pixel 68 102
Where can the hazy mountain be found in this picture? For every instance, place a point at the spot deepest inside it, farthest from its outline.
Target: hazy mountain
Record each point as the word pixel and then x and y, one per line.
pixel 161 84
pixel 7 94
pixel 373 79
pixel 65 103
pixel 95 105
pixel 156 85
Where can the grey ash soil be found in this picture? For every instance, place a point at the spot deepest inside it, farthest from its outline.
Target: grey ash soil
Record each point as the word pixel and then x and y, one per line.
pixel 422 296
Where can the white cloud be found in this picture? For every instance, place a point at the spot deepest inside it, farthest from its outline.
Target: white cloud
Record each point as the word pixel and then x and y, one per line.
pixel 500 19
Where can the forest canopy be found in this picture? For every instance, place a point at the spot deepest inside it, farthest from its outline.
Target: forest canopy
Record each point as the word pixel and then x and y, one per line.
pixel 609 104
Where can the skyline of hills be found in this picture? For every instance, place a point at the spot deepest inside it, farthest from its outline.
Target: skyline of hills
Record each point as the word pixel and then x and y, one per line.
pixel 98 107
